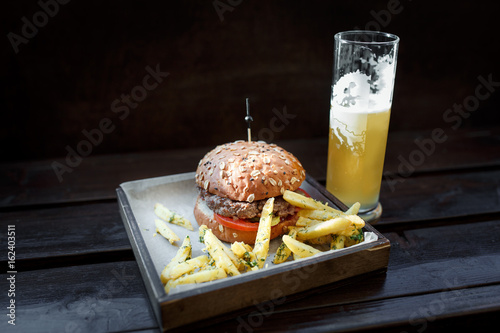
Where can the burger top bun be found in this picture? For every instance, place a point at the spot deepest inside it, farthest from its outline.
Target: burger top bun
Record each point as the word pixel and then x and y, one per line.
pixel 248 171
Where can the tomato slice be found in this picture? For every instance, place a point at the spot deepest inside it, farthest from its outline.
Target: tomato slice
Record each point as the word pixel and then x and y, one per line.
pixel 238 224
pixel 303 192
pixel 242 224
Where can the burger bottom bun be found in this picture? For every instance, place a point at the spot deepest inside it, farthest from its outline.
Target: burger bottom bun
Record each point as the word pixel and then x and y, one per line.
pixel 205 216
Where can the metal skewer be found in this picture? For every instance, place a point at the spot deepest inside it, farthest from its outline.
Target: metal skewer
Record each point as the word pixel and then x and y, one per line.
pixel 248 119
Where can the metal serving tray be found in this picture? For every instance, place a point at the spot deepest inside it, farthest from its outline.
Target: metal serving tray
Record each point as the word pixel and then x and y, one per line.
pixel 192 303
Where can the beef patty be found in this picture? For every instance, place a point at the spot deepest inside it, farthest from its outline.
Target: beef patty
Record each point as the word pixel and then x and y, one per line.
pixel 242 209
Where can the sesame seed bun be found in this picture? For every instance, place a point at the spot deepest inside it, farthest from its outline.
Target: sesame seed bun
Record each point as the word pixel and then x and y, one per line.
pixel 248 171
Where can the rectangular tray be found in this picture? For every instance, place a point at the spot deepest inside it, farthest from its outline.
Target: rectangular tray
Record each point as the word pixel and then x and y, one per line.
pixel 193 303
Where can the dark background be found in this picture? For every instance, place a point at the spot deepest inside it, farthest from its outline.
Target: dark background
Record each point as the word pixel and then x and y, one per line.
pixel 278 53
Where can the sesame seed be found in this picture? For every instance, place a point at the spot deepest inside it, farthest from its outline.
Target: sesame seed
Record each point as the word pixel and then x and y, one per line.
pixel 280 183
pixel 272 181
pixel 251 197
pixel 222 165
pixel 231 160
pixel 205 186
pixel 255 173
pixel 267 160
pixel 221 228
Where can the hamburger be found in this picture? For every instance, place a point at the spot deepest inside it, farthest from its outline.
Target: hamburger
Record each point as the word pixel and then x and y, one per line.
pixel 234 182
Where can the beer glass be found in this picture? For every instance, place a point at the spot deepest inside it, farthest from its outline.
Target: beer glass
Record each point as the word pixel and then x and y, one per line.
pixel 364 68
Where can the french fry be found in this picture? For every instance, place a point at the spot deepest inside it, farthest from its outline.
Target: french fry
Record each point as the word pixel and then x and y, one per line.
pixel 299 248
pixel 239 249
pixel 326 239
pixel 201 231
pixel 263 238
pixel 216 250
pixel 302 201
pixel 356 224
pixel 249 260
pixel 337 242
pixel 197 277
pixel 354 209
pixel 321 215
pixel 332 226
pixel 245 255
pixel 188 266
pixel 356 237
pixel 165 231
pixel 169 216
pixel 235 260
pixel 283 251
pixel 305 221
pixel 228 251
pixel 356 220
pixel 296 256
pixel 183 253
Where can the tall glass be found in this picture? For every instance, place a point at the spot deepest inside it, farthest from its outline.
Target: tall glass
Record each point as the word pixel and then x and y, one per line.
pixel 364 68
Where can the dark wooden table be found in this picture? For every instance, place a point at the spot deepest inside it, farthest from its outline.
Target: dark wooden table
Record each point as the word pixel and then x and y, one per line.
pixel 75 270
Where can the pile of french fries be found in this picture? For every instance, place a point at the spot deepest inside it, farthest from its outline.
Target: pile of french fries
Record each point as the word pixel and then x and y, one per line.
pixel 319 225
pixel 319 228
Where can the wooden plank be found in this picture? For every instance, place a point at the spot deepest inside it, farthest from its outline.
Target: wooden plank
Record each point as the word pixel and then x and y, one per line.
pixel 425 312
pixel 89 298
pixel 460 149
pixel 96 177
pixel 435 196
pixel 68 230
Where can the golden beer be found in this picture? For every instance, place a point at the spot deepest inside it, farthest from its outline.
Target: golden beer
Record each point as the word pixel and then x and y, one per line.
pixel 356 155
pixel 364 69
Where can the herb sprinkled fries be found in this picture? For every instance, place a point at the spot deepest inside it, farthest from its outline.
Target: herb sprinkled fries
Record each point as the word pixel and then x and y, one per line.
pixel 319 228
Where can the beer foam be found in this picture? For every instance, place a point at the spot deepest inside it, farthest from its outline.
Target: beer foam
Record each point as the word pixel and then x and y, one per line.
pixel 358 92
